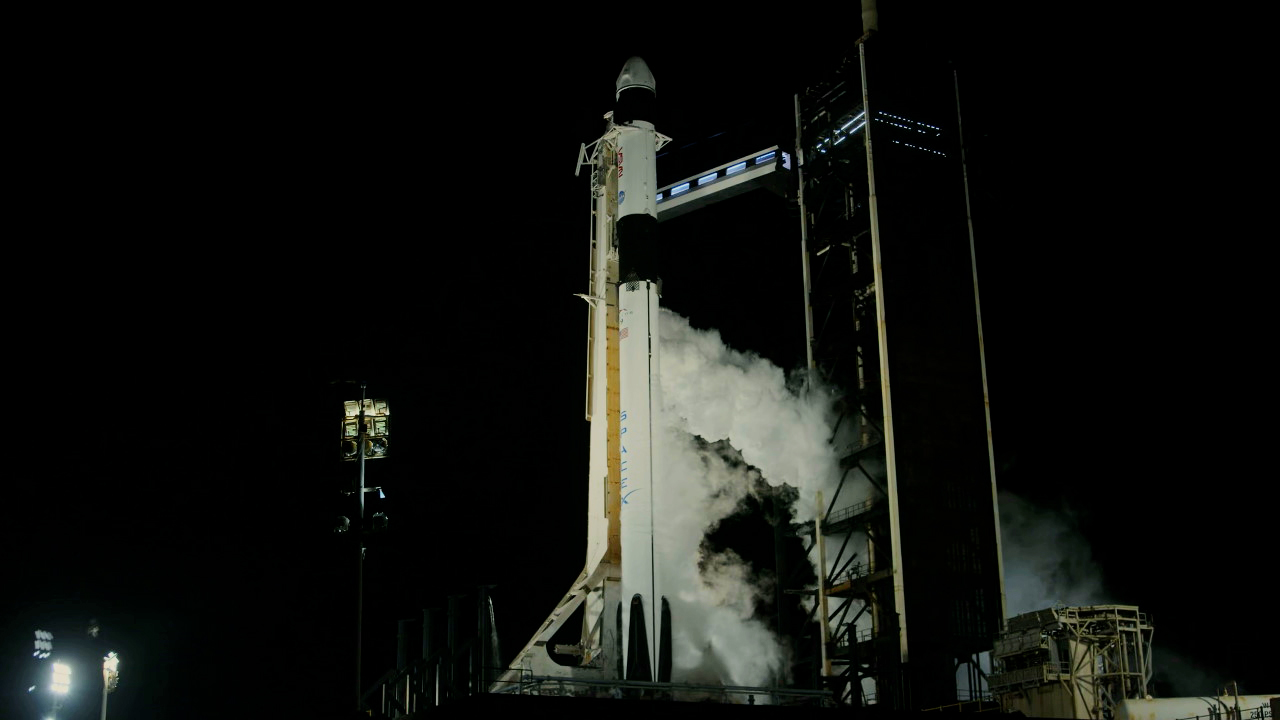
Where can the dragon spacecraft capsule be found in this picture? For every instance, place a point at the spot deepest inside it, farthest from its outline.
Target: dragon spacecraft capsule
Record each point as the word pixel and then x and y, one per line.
pixel 637 240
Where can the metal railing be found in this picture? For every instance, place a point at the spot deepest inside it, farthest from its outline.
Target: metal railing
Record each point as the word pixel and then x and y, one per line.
pixel 854 572
pixel 425 683
pixel 849 511
pixel 400 692
pixel 857 635
pixel 636 690
pixel 1262 712
pixel 1029 675
pixel 980 705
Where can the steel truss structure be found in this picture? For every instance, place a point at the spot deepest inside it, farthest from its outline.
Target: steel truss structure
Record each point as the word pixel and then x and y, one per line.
pixel 1073 662
pixel 911 592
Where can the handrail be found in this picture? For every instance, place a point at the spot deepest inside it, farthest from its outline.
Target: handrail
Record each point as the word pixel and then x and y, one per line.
pixel 845 513
pixel 536 685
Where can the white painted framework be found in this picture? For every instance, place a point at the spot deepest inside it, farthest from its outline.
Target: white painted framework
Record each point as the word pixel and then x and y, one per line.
pixel 1072 662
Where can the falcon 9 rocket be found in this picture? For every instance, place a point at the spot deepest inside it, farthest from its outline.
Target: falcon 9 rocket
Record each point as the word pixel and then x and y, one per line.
pixel 637 233
pixel 625 620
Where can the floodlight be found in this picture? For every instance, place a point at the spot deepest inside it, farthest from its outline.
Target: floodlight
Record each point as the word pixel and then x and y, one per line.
pixel 44 644
pixel 376 417
pixel 375 447
pixel 61 678
pixel 110 675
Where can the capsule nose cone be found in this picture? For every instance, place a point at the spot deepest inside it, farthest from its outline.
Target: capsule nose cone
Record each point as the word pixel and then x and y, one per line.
pixel 635 74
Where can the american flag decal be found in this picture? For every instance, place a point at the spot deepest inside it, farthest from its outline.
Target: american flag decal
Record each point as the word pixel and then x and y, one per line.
pixel 623 333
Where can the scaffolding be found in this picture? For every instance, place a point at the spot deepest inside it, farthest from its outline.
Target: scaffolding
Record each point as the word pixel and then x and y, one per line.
pixel 1073 662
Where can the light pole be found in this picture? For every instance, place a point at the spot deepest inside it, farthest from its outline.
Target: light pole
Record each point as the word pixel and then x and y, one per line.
pixel 365 427
pixel 110 678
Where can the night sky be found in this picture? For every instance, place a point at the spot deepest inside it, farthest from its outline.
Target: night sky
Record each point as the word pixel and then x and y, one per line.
pixel 213 231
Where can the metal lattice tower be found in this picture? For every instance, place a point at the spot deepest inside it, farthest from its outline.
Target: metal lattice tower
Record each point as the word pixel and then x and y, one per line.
pixel 912 593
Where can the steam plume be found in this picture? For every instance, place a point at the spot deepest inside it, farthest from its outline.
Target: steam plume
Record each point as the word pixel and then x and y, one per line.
pixel 730 422
pixel 1046 561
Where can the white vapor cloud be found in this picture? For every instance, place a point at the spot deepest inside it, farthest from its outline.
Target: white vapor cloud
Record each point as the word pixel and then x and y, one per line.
pixel 1046 560
pixel 714 401
pixel 718 393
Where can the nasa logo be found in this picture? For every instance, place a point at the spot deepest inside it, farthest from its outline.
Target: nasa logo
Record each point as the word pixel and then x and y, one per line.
pixel 622 195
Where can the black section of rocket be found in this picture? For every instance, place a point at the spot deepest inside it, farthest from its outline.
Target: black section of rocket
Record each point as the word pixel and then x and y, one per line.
pixel 637 230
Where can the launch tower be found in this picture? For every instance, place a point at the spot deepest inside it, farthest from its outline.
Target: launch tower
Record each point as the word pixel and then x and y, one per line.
pixel 913 590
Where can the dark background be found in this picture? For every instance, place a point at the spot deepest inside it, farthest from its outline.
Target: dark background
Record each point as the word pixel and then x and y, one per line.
pixel 215 223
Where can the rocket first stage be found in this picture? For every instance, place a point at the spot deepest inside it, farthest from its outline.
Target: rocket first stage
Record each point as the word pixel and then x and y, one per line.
pixel 637 235
pixel 625 620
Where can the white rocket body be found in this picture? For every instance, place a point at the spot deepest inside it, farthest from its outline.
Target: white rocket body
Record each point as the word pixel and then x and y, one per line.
pixel 625 624
pixel 638 366
pixel 637 171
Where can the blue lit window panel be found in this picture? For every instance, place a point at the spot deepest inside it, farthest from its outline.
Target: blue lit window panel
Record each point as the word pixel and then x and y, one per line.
pixel 786 160
pixel 766 157
pixel 659 197
pixel 707 178
pixel 736 168
pixel 679 189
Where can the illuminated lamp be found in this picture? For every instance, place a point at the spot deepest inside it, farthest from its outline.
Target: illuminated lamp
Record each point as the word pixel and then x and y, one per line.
pixel 377 426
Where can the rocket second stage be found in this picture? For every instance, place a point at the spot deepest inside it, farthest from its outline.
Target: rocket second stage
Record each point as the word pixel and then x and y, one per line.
pixel 637 235
pixel 636 159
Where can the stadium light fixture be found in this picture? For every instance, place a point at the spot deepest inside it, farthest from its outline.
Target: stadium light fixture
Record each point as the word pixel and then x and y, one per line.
pixel 110 678
pixel 44 644
pixel 376 420
pixel 61 678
